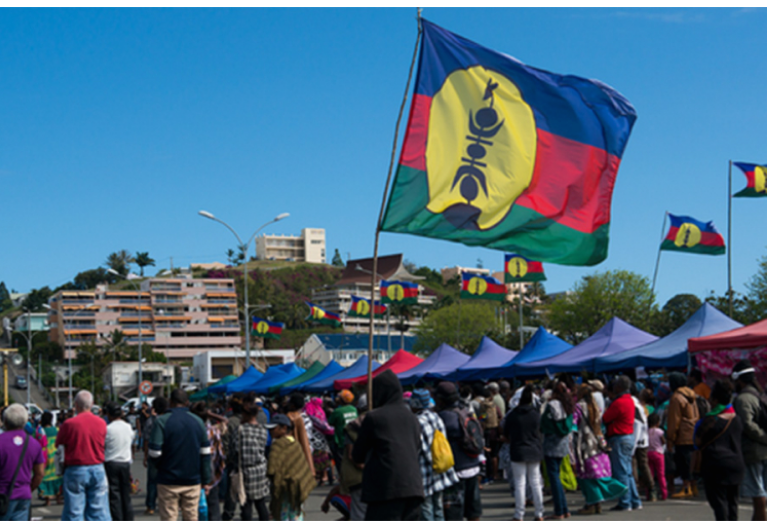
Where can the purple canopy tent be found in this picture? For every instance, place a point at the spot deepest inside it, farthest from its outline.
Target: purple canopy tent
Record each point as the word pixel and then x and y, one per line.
pixel 615 336
pixel 489 356
pixel 444 360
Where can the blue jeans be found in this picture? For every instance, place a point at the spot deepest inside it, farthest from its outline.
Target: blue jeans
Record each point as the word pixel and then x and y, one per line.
pixel 86 493
pixel 557 492
pixel 17 510
pixel 622 452
pixel 151 497
pixel 432 507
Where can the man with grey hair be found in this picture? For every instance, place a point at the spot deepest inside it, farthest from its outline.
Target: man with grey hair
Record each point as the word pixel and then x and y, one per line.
pixel 17 449
pixel 85 482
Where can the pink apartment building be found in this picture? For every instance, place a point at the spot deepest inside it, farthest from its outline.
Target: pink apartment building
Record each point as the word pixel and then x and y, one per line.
pixel 179 316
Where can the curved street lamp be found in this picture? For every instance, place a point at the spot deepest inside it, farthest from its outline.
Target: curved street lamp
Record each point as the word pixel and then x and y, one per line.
pixel 243 247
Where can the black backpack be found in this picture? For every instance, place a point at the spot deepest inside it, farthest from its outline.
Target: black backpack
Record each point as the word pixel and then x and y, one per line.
pixel 473 443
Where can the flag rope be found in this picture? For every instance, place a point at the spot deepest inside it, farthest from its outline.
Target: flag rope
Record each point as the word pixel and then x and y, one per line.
pixel 380 217
pixel 656 270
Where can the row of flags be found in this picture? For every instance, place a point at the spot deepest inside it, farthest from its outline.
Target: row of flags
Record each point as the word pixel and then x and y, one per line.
pixel 474 286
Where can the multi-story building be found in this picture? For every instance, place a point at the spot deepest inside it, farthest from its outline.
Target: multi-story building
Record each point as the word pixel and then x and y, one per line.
pixel 178 316
pixel 357 280
pixel 309 247
pixel 456 271
pixel 209 367
pixel 37 322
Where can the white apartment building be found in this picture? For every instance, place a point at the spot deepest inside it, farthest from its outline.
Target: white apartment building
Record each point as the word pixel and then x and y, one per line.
pixel 309 247
pixel 209 367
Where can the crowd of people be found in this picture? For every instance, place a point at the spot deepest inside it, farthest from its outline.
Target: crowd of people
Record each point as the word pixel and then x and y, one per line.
pixel 423 454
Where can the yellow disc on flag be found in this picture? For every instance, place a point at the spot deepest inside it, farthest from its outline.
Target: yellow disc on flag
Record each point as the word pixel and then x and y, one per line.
pixel 477 286
pixel 362 308
pixel 318 313
pixel 262 327
pixel 395 292
pixel 688 235
pixel 760 178
pixel 517 267
pixel 481 148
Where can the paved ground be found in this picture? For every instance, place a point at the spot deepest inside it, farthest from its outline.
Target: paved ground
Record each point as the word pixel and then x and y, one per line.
pixel 497 505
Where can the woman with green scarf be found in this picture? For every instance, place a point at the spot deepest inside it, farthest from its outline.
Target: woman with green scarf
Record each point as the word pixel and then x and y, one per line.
pixel 718 440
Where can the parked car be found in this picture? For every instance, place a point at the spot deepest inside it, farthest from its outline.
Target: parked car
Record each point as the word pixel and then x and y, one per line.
pixel 21 382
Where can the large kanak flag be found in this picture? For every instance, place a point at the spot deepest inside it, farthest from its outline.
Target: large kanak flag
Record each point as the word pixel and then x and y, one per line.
pixel 510 157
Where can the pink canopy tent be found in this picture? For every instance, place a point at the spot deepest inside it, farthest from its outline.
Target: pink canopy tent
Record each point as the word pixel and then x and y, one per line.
pixel 399 362
pixel 717 354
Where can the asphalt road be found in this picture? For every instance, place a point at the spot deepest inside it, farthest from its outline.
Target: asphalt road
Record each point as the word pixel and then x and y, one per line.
pixel 496 501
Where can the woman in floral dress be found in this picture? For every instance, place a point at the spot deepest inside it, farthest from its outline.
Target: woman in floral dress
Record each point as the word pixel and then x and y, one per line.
pixel 318 429
pixel 592 465
pixel 51 485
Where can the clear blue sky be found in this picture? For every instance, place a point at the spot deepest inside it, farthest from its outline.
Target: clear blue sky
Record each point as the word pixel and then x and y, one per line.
pixel 119 125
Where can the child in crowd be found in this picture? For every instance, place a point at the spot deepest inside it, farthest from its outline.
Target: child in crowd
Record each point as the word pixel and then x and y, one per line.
pixel 656 447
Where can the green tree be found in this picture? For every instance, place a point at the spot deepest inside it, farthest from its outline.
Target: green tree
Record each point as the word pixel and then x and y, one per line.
pixel 674 313
pixel 756 305
pixel 120 261
pixel 90 278
pixel 462 328
pixel 36 299
pixel 337 259
pixel 598 298
pixel 750 308
pixel 143 259
pixel 5 298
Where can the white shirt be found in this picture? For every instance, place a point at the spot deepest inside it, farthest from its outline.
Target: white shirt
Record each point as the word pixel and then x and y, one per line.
pixel 599 401
pixel 117 444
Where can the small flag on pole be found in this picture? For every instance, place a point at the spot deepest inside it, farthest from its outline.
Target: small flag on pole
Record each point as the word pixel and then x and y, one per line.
pixel 398 292
pixel 266 329
pixel 756 180
pixel 360 307
pixel 320 315
pixel 482 287
pixel 520 269
pixel 690 235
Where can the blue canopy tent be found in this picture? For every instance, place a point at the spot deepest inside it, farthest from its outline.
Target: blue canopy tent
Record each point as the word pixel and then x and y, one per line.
pixel 671 351
pixel 357 369
pixel 286 372
pixel 442 361
pixel 250 376
pixel 542 345
pixel 331 369
pixel 489 356
pixel 615 336
pixel 246 386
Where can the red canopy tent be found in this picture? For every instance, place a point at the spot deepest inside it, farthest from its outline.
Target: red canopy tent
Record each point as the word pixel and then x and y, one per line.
pixel 399 362
pixel 717 354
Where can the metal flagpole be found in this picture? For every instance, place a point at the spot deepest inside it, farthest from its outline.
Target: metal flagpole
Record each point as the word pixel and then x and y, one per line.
pixel 656 270
pixel 382 211
pixel 521 333
pixel 730 290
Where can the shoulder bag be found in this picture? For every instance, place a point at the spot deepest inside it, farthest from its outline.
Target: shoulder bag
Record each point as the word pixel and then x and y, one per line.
pixel 237 490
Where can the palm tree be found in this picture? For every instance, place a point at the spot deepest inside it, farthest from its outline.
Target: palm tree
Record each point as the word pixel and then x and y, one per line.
pixel 142 260
pixel 120 261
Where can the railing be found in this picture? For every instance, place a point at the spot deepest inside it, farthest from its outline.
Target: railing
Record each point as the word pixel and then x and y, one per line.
pixel 78 316
pixel 78 301
pixel 160 300
pixel 136 339
pixel 149 317
pixel 218 325
pixel 221 301
pixel 135 301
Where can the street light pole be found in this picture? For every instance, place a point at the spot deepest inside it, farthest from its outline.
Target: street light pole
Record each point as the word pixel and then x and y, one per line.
pixel 66 349
pixel 139 316
pixel 244 246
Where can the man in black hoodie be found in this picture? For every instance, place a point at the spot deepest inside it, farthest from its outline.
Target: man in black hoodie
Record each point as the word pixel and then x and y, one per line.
pixel 389 446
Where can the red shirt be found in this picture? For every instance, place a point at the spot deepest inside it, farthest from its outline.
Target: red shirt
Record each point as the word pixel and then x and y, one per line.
pixel 83 439
pixel 619 417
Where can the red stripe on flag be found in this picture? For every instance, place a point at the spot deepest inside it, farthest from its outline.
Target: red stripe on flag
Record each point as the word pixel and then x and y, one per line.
pixel 496 289
pixel 416 137
pixel 410 292
pixel 588 172
pixel 707 238
pixel 275 330
pixel 534 266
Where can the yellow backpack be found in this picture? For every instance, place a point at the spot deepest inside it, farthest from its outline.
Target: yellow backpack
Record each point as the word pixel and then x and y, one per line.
pixel 441 453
